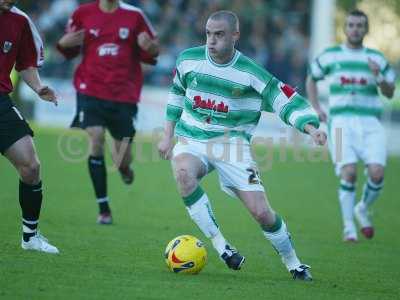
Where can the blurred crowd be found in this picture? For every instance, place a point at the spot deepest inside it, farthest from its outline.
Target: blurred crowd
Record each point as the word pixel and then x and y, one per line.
pixel 273 32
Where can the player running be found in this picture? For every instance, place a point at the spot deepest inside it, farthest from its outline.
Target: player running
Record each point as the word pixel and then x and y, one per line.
pixel 215 104
pixel 114 38
pixel 355 74
pixel 23 48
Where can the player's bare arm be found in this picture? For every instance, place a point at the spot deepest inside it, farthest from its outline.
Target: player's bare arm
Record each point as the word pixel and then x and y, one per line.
pixel 312 94
pixel 72 39
pixel 317 135
pixel 148 44
pixel 31 77
pixel 167 142
pixel 387 88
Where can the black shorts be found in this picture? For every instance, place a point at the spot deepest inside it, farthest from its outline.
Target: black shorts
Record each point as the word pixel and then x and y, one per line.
pixel 117 117
pixel 13 126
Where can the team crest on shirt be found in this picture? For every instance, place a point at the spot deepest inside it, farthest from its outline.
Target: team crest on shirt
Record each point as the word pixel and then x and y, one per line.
pixel 236 92
pixel 7 46
pixel 123 33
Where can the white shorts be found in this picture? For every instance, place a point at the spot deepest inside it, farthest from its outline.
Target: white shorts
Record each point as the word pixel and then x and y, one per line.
pixel 353 138
pixel 233 163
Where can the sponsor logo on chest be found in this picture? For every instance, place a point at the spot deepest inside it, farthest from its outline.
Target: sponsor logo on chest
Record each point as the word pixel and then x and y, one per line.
pixel 7 46
pixel 353 81
pixel 210 108
pixel 109 49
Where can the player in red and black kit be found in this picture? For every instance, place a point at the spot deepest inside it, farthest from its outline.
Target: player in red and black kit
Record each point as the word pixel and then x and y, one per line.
pixel 113 38
pixel 21 45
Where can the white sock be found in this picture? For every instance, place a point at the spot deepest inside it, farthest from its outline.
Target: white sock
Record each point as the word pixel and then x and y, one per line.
pixel 347 196
pixel 219 243
pixel 202 214
pixel 371 192
pixel 280 240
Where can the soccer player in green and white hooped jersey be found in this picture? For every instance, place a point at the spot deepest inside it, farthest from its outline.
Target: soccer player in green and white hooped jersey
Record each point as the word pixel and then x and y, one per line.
pixel 355 74
pixel 215 103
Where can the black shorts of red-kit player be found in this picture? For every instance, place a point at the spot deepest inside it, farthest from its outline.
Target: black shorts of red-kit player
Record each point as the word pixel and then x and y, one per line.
pixel 13 126
pixel 118 118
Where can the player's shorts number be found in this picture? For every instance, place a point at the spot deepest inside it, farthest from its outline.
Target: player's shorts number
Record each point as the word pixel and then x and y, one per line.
pixel 254 176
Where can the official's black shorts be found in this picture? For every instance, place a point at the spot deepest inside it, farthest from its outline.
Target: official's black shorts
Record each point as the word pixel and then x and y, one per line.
pixel 13 126
pixel 118 118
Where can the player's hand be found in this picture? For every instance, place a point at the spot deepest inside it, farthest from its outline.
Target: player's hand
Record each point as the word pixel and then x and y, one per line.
pixel 165 147
pixel 373 66
pixel 319 137
pixel 72 39
pixel 144 41
pixel 148 44
pixel 47 94
pixel 322 116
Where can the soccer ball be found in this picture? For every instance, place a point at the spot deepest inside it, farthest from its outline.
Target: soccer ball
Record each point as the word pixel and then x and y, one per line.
pixel 185 254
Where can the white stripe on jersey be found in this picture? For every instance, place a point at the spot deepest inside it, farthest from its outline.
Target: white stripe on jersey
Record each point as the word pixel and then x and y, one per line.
pixel 35 35
pixel 134 8
pixel 175 100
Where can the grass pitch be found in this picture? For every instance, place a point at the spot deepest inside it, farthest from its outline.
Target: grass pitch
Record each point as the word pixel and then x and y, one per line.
pixel 125 260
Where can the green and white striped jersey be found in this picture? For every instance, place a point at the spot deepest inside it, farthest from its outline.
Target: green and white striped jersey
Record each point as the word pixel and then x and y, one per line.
pixel 352 85
pixel 208 100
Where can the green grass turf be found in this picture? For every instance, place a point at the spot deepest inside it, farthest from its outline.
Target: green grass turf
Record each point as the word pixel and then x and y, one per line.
pixel 125 260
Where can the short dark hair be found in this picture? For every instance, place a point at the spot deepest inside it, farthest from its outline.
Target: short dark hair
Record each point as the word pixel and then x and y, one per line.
pixel 229 16
pixel 359 13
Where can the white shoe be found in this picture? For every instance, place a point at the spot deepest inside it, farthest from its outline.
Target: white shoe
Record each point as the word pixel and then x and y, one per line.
pixel 39 243
pixel 363 218
pixel 350 234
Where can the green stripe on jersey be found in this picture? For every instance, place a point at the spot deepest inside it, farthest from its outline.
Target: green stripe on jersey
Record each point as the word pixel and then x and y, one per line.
pixel 175 89
pixel 296 104
pixel 269 94
pixel 219 86
pixel 355 110
pixel 173 112
pixel 247 65
pixel 197 53
pixel 334 49
pixel 366 90
pixel 373 51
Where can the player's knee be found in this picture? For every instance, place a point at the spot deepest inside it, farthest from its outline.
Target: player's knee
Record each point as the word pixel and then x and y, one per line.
pixel 185 179
pixel 97 145
pixel 349 174
pixel 262 217
pixel 376 175
pixel 30 172
pixel 97 140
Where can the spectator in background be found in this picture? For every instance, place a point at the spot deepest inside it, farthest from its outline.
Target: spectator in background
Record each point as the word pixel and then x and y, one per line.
pixel 264 24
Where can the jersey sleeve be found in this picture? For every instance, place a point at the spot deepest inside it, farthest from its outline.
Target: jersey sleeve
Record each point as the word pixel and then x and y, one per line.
pixel 318 68
pixel 292 108
pixel 74 24
pixel 30 51
pixel 176 97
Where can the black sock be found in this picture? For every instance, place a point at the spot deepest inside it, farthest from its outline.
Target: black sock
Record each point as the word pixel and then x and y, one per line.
pixel 30 199
pixel 98 174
